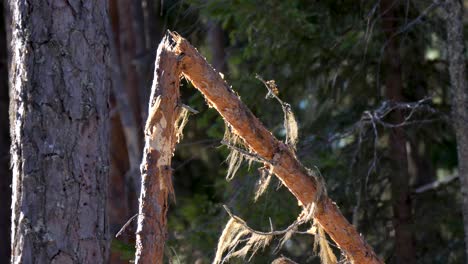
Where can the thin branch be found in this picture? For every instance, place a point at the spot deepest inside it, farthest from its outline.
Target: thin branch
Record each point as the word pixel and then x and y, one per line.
pixel 125 226
pixel 435 184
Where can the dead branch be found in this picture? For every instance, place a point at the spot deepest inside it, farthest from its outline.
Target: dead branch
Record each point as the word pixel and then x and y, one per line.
pixel 285 165
pixel 160 139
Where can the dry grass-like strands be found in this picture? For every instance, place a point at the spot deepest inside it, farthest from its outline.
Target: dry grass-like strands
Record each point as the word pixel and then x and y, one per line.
pixel 235 233
pixel 325 253
pixel 263 182
pixel 235 157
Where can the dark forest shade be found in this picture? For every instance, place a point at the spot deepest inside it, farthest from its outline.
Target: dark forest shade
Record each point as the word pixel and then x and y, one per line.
pixel 59 128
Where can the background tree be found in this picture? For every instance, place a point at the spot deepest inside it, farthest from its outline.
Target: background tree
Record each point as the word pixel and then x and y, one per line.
pixel 60 84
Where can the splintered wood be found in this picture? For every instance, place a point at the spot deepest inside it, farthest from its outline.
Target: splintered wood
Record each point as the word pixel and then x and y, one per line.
pixel 160 139
pixel 181 58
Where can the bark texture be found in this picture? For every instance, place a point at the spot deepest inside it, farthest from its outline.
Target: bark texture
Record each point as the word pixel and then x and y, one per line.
pixel 160 140
pixel 285 165
pixel 457 69
pixel 5 173
pixel 401 193
pixel 59 128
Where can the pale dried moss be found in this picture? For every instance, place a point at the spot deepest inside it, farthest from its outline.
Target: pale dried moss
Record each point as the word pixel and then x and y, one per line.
pixel 323 247
pixel 235 158
pixel 235 233
pixel 263 182
pixel 180 123
pixel 291 127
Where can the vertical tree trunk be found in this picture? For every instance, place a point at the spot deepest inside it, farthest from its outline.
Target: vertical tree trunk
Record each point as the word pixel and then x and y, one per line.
pixel 216 40
pixel 153 33
pixel 457 69
pixel 130 42
pixel 5 173
pixel 402 210
pixel 59 129
pixel 160 140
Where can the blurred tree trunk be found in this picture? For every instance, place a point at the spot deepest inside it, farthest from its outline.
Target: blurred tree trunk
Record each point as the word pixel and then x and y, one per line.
pixel 153 34
pixel 457 69
pixel 125 154
pixel 217 42
pixel 59 111
pixel 131 41
pixel 5 173
pixel 401 199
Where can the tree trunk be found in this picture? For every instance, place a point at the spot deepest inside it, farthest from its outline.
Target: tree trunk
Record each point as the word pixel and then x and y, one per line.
pixel 285 165
pixel 160 140
pixel 216 41
pixel 5 173
pixel 457 69
pixel 130 42
pixel 401 199
pixel 59 118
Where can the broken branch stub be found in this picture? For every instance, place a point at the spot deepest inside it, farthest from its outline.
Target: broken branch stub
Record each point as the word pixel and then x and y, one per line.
pixel 160 140
pixel 285 165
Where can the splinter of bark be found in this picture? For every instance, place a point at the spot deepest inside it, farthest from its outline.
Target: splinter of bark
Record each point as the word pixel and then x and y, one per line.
pixel 285 165
pixel 160 140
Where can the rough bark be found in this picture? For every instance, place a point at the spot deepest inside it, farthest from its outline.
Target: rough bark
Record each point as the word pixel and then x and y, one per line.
pixel 285 165
pixel 59 128
pixel 160 140
pixel 5 173
pixel 401 192
pixel 457 69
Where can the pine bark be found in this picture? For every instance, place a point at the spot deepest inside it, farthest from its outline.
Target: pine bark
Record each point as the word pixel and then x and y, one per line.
pixel 285 165
pixel 457 70
pixel 5 173
pixel 156 171
pixel 401 193
pixel 59 118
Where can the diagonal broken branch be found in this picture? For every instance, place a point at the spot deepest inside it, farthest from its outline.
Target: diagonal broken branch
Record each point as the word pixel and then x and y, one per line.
pixel 288 169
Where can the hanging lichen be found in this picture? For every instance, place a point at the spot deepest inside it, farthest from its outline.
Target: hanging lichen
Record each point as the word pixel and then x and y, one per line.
pixel 263 182
pixel 235 157
pixel 322 246
pixel 236 232
pixel 290 125
pixel 180 123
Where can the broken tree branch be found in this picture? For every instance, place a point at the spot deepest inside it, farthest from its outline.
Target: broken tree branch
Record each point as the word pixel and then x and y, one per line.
pixel 160 139
pixel 285 165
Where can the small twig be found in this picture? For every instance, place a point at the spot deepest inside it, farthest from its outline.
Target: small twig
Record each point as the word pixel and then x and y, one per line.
pixel 293 226
pixel 188 108
pixel 270 90
pixel 126 225
pixel 253 156
pixel 434 185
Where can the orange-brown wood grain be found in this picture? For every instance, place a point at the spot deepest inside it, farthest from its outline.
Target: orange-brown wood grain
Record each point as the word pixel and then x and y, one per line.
pixel 285 165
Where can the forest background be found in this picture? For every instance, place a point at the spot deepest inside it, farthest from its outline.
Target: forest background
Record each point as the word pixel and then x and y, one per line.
pixel 345 67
